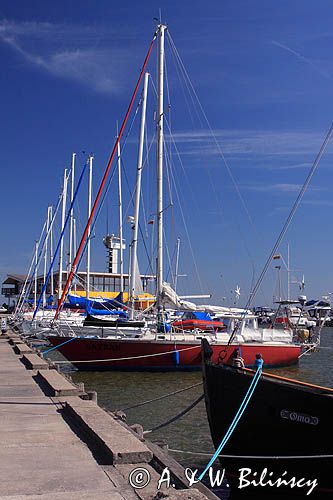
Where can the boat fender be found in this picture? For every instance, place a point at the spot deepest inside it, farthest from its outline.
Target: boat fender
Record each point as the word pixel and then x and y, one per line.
pixel 176 357
pixel 163 327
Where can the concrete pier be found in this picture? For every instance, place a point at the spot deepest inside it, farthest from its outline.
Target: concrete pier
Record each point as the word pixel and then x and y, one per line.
pixel 55 444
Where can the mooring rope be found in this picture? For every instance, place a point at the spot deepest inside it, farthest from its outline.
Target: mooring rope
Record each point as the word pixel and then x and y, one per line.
pixel 128 358
pixel 254 457
pixel 161 397
pixel 176 417
pixel 56 347
pixel 235 421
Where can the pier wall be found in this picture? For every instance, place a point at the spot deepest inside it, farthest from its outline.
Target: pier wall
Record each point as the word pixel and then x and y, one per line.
pixel 57 443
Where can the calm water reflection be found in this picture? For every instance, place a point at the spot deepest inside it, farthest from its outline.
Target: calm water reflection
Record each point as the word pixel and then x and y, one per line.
pixel 117 390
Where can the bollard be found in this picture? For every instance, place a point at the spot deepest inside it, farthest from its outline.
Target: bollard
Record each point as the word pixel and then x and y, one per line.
pixel 92 396
pixel 138 429
pixel 161 443
pixel 120 415
pixel 3 325
pixel 80 385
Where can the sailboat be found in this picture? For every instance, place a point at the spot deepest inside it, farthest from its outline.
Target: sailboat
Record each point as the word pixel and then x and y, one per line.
pixel 284 433
pixel 272 434
pixel 157 346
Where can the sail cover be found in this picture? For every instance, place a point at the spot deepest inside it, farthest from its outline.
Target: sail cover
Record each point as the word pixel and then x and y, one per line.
pixel 171 299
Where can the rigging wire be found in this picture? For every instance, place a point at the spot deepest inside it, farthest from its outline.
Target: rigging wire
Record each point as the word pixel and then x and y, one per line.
pixel 183 78
pixel 286 224
pixel 58 247
pixel 211 130
pixel 186 231
pixel 173 142
pixel 41 247
pixel 103 198
pixel 104 179
pixel 28 279
pixel 180 205
pixel 140 228
pixel 196 100
pixel 168 257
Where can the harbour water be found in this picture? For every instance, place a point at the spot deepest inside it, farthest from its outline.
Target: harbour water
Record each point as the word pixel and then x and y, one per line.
pixel 119 390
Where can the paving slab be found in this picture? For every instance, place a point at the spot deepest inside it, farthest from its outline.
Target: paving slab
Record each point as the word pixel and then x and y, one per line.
pixel 16 341
pixel 120 444
pixel 12 370
pixel 22 349
pixel 79 495
pixel 57 384
pixel 40 456
pixel 43 469
pixel 13 338
pixel 20 390
pixel 35 362
pixel 32 422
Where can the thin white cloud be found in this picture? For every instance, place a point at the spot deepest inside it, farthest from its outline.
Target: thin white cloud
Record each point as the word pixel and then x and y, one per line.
pixel 277 188
pixel 318 203
pixel 250 142
pixel 301 58
pixel 292 166
pixel 84 54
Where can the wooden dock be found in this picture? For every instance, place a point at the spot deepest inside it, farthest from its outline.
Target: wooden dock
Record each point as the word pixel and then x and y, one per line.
pixel 57 444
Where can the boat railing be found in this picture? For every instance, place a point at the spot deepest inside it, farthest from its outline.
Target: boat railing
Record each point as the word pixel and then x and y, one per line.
pixel 287 380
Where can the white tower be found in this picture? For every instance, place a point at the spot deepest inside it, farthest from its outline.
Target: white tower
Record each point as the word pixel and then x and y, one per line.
pixel 112 243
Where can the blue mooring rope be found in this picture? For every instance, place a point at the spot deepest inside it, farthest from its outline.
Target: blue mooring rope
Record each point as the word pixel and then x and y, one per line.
pixel 56 347
pixel 235 421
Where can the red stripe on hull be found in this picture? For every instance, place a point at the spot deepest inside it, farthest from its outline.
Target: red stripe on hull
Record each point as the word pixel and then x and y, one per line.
pixel 88 350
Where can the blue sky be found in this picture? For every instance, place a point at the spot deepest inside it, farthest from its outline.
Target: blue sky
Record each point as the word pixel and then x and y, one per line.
pixel 263 73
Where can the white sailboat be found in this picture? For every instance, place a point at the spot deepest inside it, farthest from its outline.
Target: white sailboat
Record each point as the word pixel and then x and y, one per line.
pixel 158 347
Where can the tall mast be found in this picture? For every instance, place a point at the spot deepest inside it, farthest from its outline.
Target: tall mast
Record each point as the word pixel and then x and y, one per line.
pixel 120 198
pixel 159 266
pixel 63 213
pixel 36 272
pixel 89 231
pixel 288 272
pixel 104 179
pixel 74 244
pixel 51 251
pixel 48 222
pixel 177 263
pixel 70 256
pixel 134 244
pixel 28 278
